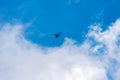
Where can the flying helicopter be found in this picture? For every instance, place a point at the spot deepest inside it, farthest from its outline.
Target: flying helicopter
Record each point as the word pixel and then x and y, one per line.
pixel 57 35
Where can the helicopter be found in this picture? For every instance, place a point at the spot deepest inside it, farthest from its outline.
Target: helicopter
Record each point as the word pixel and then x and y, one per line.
pixel 57 35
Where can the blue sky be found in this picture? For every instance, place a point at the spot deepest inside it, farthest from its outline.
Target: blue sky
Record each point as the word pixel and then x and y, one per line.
pixel 71 17
pixel 87 49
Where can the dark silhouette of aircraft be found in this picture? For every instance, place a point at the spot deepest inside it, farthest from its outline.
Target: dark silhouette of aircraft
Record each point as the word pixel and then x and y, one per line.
pixel 57 35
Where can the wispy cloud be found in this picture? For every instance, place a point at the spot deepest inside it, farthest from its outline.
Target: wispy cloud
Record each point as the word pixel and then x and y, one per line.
pixel 72 1
pixel 97 58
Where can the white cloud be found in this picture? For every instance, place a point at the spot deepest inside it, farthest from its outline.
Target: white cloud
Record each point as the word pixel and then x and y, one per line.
pixel 21 59
pixel 72 1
